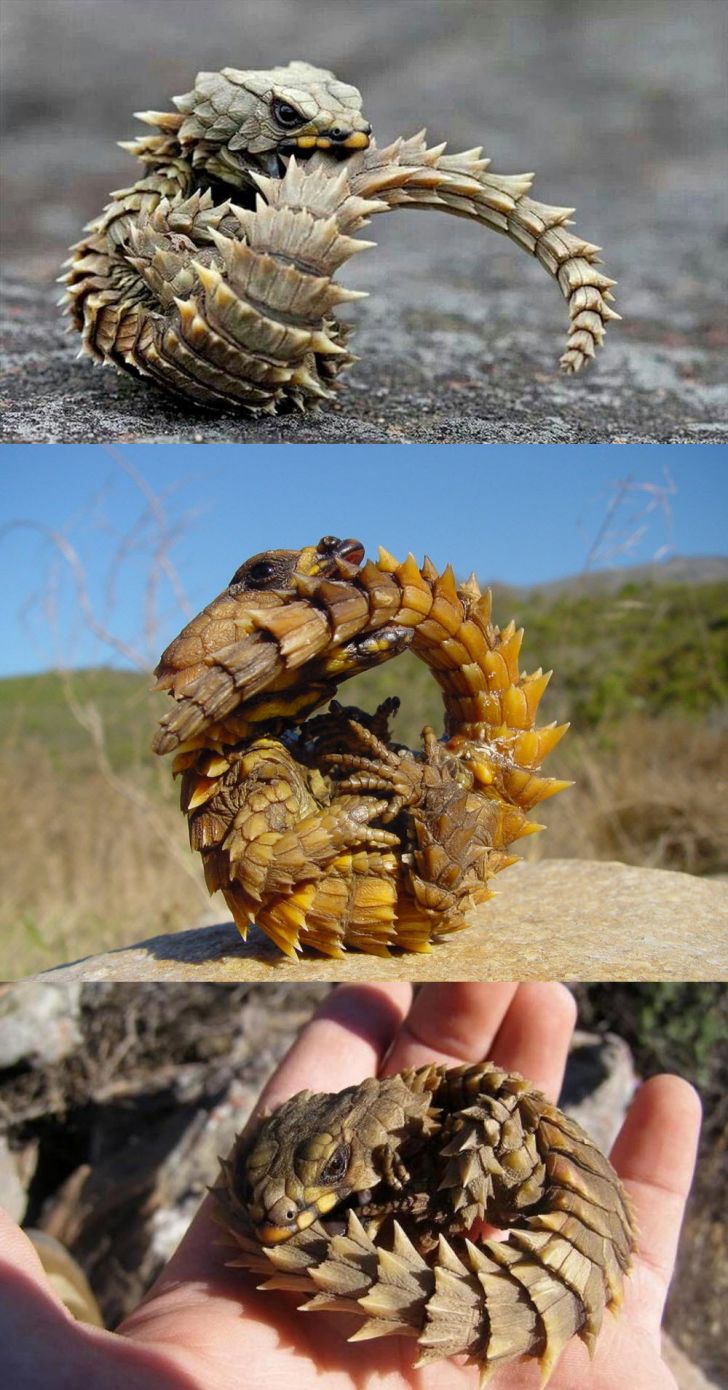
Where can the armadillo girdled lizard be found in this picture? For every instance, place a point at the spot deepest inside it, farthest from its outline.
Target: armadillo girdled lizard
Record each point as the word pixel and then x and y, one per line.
pixel 322 830
pixel 364 1201
pixel 214 273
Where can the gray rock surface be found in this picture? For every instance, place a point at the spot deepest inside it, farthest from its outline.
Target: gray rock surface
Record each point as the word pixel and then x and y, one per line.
pixel 38 1024
pixel 560 919
pixel 13 1187
pixel 619 108
pixel 599 1084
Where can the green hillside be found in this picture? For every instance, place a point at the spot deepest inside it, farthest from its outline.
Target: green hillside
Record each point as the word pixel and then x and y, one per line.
pixel 66 715
pixel 648 649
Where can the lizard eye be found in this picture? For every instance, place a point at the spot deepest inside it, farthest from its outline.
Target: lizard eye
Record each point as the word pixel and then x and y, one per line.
pixel 336 1166
pixel 286 115
pixel 260 573
pixel 263 569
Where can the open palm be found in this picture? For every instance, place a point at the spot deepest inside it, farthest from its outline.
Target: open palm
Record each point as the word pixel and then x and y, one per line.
pixel 206 1327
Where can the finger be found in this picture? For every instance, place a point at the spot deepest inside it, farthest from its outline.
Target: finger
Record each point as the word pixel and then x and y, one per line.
pixel 17 1253
pixel 38 1334
pixel 345 1041
pixel 450 1023
pixel 654 1155
pixel 535 1035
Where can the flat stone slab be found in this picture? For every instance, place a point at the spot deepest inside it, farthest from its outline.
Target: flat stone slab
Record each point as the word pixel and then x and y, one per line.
pixel 475 368
pixel 560 919
pixel 460 339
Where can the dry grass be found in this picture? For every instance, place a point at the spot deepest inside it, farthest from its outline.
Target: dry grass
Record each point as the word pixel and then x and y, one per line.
pixel 97 859
pixel 91 863
pixel 653 792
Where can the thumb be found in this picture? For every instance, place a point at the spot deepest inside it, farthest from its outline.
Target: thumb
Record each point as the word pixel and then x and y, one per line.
pixel 19 1262
pixel 44 1346
pixel 36 1331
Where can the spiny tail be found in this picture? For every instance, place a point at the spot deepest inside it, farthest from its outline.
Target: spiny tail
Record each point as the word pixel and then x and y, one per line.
pixel 406 174
pixel 265 306
pixel 490 706
pixel 462 184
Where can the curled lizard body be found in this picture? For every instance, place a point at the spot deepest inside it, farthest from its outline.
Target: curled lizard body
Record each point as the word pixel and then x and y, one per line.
pixel 364 1201
pixel 322 830
pixel 214 273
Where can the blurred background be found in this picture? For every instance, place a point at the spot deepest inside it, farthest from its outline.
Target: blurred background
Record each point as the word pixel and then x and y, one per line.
pixel 614 561
pixel 116 1101
pixel 620 109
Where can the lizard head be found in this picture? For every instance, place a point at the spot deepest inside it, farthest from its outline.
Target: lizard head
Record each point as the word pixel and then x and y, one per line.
pixel 319 1153
pixel 236 623
pixel 274 569
pixel 235 121
pixel 271 571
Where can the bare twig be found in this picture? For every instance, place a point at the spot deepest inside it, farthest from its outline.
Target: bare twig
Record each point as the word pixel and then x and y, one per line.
pixel 624 527
pixel 153 534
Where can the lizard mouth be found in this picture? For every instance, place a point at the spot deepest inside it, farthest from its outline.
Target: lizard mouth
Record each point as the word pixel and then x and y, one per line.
pixel 351 550
pixel 273 162
pixel 328 1204
pixel 330 550
pixel 339 144
pixel 336 139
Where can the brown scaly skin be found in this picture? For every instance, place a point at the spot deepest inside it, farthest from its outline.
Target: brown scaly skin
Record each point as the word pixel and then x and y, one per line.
pixel 363 1201
pixel 323 831
pixel 213 273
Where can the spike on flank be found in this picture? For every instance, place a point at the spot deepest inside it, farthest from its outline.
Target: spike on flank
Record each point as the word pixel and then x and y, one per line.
pixel 471 588
pixel 447 584
pixel 386 561
pixel 408 572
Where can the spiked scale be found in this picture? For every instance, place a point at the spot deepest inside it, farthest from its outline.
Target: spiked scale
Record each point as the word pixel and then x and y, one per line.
pixel 316 826
pixel 233 303
pixel 426 1154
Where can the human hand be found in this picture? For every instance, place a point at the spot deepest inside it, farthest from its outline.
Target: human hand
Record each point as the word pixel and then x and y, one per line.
pixel 206 1327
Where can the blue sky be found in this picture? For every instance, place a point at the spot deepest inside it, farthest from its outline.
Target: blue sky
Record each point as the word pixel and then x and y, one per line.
pixel 75 523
